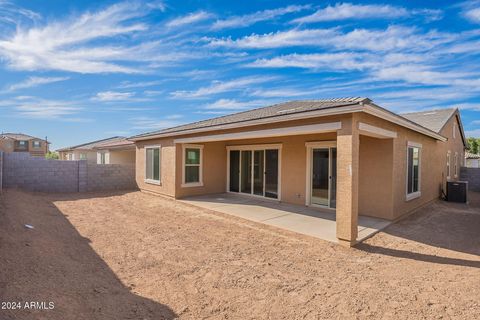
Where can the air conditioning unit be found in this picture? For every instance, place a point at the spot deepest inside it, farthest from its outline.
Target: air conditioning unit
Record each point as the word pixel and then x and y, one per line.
pixel 457 191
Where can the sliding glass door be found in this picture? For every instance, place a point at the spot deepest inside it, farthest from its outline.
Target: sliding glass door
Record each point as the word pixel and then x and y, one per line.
pixel 254 172
pixel 324 173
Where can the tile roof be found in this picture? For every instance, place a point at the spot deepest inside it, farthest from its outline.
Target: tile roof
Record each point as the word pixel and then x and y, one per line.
pixel 92 144
pixel 276 110
pixel 117 144
pixel 469 155
pixel 18 136
pixel 430 119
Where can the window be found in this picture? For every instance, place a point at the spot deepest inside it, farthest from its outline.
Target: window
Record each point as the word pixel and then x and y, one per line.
pixel 152 164
pixel 455 164
pixel 448 165
pixel 192 166
pixel 22 143
pixel 83 156
pixel 413 170
pixel 37 144
pixel 102 159
pixel 454 130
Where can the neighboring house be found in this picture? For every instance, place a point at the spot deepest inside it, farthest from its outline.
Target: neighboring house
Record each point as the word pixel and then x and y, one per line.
pixel 116 152
pixel 19 142
pixel 347 155
pixel 86 151
pixel 472 160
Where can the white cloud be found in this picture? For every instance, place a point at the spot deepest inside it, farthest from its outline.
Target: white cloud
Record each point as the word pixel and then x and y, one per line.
pixel 113 96
pixel 473 14
pixel 392 38
pixel 221 86
pixel 141 84
pixel 473 133
pixel 250 19
pixel 71 44
pixel 189 19
pixel 39 108
pixel 343 11
pixel 276 40
pixel 232 104
pixel 149 124
pixel 34 82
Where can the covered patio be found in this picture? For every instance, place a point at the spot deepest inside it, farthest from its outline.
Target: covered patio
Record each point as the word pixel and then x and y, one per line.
pixel 316 222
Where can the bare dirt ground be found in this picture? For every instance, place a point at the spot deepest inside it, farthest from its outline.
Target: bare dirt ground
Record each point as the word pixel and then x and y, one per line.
pixel 138 256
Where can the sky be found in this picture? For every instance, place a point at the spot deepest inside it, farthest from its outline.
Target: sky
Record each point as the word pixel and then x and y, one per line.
pixel 77 71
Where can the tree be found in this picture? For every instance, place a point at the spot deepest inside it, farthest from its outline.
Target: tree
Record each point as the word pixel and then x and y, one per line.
pixel 52 155
pixel 473 145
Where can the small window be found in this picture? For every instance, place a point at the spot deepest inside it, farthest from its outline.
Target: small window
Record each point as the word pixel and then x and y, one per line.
pixel 448 165
pixel 413 170
pixel 152 164
pixel 192 165
pixel 22 143
pixel 454 130
pixel 37 144
pixel 83 156
pixel 455 164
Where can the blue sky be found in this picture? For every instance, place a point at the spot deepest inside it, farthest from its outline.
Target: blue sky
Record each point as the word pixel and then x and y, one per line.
pixel 85 70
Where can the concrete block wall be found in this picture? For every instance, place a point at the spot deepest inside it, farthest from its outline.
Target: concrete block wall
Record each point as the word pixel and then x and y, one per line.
pixel 472 175
pixel 20 170
pixel 102 177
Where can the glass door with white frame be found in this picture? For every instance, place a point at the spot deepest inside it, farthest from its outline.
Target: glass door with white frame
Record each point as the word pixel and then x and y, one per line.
pixel 254 172
pixel 324 171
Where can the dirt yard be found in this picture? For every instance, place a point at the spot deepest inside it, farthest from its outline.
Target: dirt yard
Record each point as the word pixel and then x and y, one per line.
pixel 138 256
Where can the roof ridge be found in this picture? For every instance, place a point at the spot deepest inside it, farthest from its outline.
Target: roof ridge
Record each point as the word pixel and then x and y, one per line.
pixel 87 143
pixel 429 110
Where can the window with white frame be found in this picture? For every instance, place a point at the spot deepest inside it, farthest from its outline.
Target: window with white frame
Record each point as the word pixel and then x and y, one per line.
pixel 192 165
pixel 37 144
pixel 152 164
pixel 413 170
pixel 448 164
pixel 455 164
pixel 83 156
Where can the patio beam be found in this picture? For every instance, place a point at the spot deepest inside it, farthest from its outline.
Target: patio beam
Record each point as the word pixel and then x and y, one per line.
pixel 266 133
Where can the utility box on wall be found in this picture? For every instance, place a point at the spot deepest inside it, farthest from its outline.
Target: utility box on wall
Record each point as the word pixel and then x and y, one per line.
pixel 457 191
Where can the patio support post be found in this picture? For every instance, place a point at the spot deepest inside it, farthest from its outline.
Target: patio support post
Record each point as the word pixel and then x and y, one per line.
pixel 348 144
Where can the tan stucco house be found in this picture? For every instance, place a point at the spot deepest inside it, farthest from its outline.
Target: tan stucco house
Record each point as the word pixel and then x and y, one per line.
pixel 19 142
pixel 347 155
pixel 114 150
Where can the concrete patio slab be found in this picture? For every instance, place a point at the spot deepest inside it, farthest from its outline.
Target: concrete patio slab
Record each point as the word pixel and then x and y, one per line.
pixel 315 222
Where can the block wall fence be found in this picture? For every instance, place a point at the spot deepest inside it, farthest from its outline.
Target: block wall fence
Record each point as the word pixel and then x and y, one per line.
pixel 472 175
pixel 20 170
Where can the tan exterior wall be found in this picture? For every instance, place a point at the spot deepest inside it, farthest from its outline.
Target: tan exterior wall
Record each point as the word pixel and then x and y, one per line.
pixel 382 164
pixel 122 156
pixel 8 145
pixel 167 167
pixel 91 155
pixel 376 177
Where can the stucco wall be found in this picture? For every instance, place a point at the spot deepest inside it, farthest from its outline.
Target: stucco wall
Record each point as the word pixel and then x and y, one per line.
pixel 20 170
pixel 376 177
pixel 122 157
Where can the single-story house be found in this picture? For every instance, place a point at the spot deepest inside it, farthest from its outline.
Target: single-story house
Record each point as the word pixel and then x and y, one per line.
pixel 20 142
pixel 116 152
pixel 472 160
pixel 97 152
pixel 348 155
